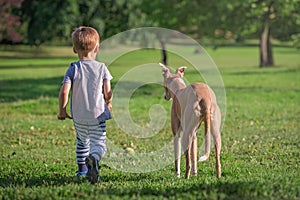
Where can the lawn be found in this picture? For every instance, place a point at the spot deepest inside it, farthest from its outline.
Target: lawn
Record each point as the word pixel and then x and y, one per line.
pixel 260 135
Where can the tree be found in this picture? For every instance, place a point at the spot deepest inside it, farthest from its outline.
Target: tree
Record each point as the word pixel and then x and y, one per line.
pixel 9 21
pixel 111 17
pixel 46 20
pixel 108 17
pixel 231 19
pixel 266 53
pixel 272 19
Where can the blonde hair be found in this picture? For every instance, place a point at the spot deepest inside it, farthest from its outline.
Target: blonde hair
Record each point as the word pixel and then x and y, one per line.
pixel 85 39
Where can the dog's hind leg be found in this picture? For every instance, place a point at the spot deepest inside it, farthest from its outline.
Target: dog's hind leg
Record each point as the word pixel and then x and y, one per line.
pixel 187 145
pixel 194 155
pixel 217 144
pixel 187 163
pixel 177 152
pixel 215 130
pixel 176 129
pixel 191 123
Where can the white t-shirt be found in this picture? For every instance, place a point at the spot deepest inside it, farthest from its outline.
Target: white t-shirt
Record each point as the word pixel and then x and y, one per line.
pixel 87 101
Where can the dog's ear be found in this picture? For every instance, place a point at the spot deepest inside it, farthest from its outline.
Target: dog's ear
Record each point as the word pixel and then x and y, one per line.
pixel 180 71
pixel 165 69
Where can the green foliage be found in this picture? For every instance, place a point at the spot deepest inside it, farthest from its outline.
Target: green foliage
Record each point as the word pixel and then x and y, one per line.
pixel 44 21
pixel 284 17
pixel 225 19
pixel 260 137
pixel 47 20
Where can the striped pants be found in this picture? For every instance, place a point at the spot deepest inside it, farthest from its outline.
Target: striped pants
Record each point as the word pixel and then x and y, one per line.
pixel 91 139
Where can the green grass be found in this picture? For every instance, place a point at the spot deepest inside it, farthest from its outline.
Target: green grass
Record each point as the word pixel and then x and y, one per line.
pixel 260 137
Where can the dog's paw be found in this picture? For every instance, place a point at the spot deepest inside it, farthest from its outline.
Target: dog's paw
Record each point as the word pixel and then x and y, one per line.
pixel 202 158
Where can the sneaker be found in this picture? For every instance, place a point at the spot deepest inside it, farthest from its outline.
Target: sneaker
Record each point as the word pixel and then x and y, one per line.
pixel 93 170
pixel 81 174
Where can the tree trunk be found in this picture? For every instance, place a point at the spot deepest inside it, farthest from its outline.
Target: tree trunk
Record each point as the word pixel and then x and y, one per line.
pixel 163 51
pixel 266 53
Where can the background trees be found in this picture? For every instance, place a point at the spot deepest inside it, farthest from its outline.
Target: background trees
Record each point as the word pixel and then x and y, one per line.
pixel 236 20
pixel 35 22
pixel 48 20
pixel 266 20
pixel 10 21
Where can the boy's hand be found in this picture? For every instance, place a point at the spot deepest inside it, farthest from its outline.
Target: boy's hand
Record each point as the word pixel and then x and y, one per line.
pixel 109 106
pixel 63 116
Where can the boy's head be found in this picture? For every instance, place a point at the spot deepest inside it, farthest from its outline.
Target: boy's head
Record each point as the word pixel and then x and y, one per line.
pixel 85 39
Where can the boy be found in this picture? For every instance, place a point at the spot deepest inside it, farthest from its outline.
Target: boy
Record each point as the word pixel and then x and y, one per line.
pixel 89 81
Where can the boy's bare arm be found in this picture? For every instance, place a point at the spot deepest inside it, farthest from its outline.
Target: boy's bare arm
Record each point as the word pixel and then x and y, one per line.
pixel 63 101
pixel 108 95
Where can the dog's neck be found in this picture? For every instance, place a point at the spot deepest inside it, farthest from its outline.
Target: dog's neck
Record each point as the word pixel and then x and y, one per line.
pixel 175 84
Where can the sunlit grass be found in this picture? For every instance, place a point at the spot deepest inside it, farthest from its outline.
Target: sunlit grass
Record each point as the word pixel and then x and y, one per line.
pixel 260 136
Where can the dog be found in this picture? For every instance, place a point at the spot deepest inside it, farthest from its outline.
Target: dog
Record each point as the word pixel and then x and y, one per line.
pixel 192 105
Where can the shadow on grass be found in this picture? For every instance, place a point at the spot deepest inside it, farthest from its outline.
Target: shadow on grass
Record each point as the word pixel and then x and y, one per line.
pixel 26 52
pixel 34 88
pixel 268 71
pixel 169 186
pixel 25 89
pixel 39 66
pixel 36 56
pixel 188 188
pixel 11 181
pixel 236 190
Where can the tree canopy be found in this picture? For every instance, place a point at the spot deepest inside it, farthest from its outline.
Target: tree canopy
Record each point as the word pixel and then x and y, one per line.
pixel 10 21
pixel 35 22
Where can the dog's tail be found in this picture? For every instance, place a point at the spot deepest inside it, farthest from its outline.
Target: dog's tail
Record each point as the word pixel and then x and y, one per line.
pixel 162 65
pixel 215 127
